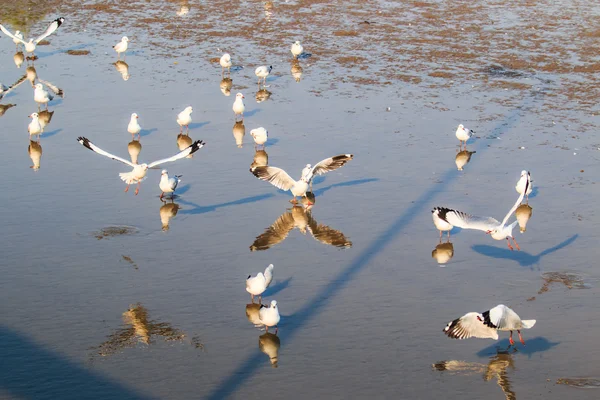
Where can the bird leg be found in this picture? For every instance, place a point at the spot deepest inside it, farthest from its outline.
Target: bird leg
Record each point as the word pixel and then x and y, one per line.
pixel 516 244
pixel 161 195
pixel 448 235
pixel 187 130
pixel 137 189
pixel 276 329
pixel 252 298
pixel 521 338
pixel 508 243
pixel 267 328
pixel 294 201
pixel 510 339
pixel 127 189
pixel 440 236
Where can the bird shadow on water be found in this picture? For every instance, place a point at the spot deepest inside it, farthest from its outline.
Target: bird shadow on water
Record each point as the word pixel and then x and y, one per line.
pixel 523 258
pixel 198 209
pixel 251 113
pixel 278 287
pixel 534 345
pixel 196 125
pixel 51 133
pixel 146 132
pixel 320 192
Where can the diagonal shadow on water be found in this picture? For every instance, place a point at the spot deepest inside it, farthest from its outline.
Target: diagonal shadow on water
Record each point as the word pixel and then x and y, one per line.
pixel 532 346
pixel 320 192
pixel 314 306
pixel 198 209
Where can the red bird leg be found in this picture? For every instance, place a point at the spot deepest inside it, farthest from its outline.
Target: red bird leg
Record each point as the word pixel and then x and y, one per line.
pixel 137 189
pixel 516 244
pixel 127 188
pixel 521 338
pixel 510 339
pixel 508 243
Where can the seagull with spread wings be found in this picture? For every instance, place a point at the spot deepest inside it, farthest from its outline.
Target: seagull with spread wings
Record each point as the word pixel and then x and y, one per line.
pixel 30 45
pixel 139 170
pixel 280 179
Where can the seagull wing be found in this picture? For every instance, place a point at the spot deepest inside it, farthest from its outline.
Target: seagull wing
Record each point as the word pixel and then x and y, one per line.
pixel 191 149
pixel 466 221
pixel 470 325
pixel 7 33
pixel 519 201
pixel 86 143
pixel 49 31
pixel 327 235
pixel 502 317
pixel 51 86
pixel 328 164
pixel 274 234
pixel 278 177
pixel 14 86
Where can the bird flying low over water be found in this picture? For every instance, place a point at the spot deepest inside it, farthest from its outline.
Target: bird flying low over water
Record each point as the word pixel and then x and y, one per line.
pixel 30 45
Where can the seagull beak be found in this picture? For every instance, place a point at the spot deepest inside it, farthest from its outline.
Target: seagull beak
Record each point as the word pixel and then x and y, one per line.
pixel 243 97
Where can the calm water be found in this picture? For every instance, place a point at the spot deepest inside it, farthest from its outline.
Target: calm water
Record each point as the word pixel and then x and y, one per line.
pixel 153 313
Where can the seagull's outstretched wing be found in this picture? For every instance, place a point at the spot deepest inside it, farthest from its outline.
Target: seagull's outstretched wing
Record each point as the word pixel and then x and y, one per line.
pixel 86 143
pixel 191 149
pixel 328 164
pixel 327 235
pixel 51 86
pixel 274 234
pixel 7 33
pixel 50 30
pixel 514 207
pixel 470 325
pixel 13 86
pixel 278 177
pixel 466 221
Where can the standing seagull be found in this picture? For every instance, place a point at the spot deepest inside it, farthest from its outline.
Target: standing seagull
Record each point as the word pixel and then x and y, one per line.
pixel 34 127
pixel 184 118
pixel 297 49
pixel 168 185
pixel 463 134
pixel 134 127
pixel 487 324
pixel 262 72
pixel 225 62
pixel 238 106
pixel 258 284
pixel 269 315
pixel 439 220
pixel 42 96
pixel 260 136
pixel 280 179
pixel 524 181
pixel 30 45
pixel 139 170
pixel 121 47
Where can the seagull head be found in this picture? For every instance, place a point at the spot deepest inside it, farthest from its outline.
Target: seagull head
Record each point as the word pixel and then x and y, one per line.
pixel 163 172
pixel 61 19
pixel 524 173
pixel 34 115
pixel 125 39
pixel 188 109
pixel 134 115
pixel 38 86
pixel 226 57
pixel 239 96
pixel 144 166
pixel 297 43
pixel 461 126
pixel 273 303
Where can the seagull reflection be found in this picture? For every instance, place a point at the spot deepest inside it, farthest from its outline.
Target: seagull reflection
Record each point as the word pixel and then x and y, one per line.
pixel 138 328
pixel 35 153
pixel 296 71
pixel 301 218
pixel 45 117
pixel 496 368
pixel 262 95
pixel 261 159
pixel 462 158
pixel 183 142
pixel 122 68
pixel 269 344
pixel 184 8
pixel 239 130
pixel 31 75
pixel 225 85
pixel 443 252
pixel 19 58
pixel 523 213
pixel 252 314
pixel 134 148
pixel 4 107
pixel 168 211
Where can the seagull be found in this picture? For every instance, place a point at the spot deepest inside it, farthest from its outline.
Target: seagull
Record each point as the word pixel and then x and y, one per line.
pixel 225 62
pixel 121 47
pixel 439 220
pixel 463 134
pixel 34 128
pixel 184 118
pixel 524 180
pixel 260 136
pixel 30 45
pixel 280 179
pixel 134 127
pixel 489 225
pixel 40 95
pixel 297 49
pixel 238 105
pixel 139 170
pixel 258 284
pixel 168 185
pixel 487 324
pixel 262 72
pixel 269 315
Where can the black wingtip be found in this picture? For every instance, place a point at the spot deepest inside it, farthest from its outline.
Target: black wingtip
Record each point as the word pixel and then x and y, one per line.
pixel 84 141
pixel 249 276
pixel 197 145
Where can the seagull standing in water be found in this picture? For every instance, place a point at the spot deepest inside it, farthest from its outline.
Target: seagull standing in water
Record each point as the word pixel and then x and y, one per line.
pixel 439 220
pixel 139 170
pixel 134 127
pixel 121 47
pixel 463 134
pixel 238 106
pixel 258 284
pixel 42 96
pixel 524 181
pixel 487 324
pixel 30 45
pixel 280 179
pixel 168 185
pixel 225 62
pixel 260 136
pixel 262 72
pixel 184 118
pixel 297 49
pixel 269 315
pixel 34 127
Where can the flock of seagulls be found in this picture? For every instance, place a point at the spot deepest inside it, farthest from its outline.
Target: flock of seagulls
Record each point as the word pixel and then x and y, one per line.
pixel 268 315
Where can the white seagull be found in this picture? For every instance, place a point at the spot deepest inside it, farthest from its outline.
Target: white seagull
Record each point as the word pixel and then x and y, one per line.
pixel 168 185
pixel 42 96
pixel 269 315
pixel 297 49
pixel 487 324
pixel 260 136
pixel 134 127
pixel 30 45
pixel 258 284
pixel 489 225
pixel 18 38
pixel 262 72
pixel 121 47
pixel 225 62
pixel 439 220
pixel 524 180
pixel 463 134
pixel 238 106
pixel 139 170
pixel 34 127
pixel 184 118
pixel 280 179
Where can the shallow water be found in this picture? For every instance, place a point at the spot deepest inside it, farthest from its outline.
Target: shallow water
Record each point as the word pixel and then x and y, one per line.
pixel 363 320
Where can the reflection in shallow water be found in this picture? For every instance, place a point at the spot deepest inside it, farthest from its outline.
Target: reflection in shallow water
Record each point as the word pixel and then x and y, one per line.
pixel 35 153
pixel 262 95
pixel 168 211
pixel 19 58
pixel 122 68
pixel 134 148
pixel 252 314
pixel 296 71
pixel 301 218
pixel 261 159
pixel 269 344
pixel 184 8
pixel 496 368
pixel 225 85
pixel 31 75
pixel 45 117
pixel 585 383
pixel 4 107
pixel 523 213
pixel 443 252
pixel 138 328
pixel 184 141
pixel 239 131
pixel 462 158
